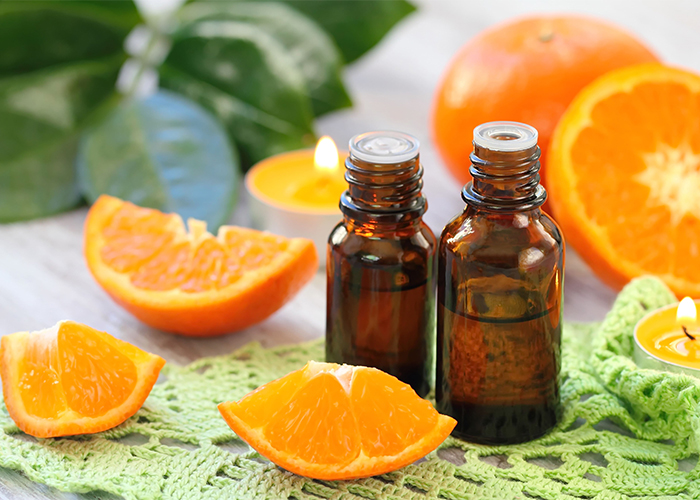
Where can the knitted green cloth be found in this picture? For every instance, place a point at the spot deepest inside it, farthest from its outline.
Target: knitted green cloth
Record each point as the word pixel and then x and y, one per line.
pixel 178 446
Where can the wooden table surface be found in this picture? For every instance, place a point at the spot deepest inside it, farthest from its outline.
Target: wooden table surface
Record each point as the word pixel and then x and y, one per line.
pixel 43 277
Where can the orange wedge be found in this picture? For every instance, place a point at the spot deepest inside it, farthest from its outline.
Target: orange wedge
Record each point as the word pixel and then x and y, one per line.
pixel 624 176
pixel 71 379
pixel 192 282
pixel 329 421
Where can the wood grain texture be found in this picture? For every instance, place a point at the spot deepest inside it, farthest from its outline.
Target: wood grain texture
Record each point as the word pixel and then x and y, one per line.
pixel 43 277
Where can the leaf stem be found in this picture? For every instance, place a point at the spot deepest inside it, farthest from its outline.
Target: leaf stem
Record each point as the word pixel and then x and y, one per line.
pixel 143 61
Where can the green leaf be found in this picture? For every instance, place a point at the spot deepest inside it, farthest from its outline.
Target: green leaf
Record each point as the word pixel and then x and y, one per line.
pixel 246 77
pixel 356 26
pixel 40 115
pixel 163 152
pixel 36 35
pixel 58 66
pixel 308 46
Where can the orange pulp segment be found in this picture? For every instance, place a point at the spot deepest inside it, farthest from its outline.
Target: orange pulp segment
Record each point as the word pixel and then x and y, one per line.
pixel 329 421
pixel 72 379
pixel 192 282
pixel 624 176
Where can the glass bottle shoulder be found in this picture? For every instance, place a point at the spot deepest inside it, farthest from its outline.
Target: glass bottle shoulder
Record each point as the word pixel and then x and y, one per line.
pixel 377 245
pixel 477 234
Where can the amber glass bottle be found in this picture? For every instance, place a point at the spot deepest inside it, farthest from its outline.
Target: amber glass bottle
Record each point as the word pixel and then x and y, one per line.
pixel 500 283
pixel 380 308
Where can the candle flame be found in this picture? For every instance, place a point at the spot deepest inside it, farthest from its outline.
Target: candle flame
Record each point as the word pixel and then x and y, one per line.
pixel 326 155
pixel 686 312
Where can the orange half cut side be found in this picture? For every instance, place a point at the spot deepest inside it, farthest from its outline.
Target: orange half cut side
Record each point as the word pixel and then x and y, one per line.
pixel 189 281
pixel 329 421
pixel 624 176
pixel 72 379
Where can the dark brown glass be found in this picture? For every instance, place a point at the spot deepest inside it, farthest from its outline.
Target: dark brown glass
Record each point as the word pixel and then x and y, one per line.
pixel 500 283
pixel 381 301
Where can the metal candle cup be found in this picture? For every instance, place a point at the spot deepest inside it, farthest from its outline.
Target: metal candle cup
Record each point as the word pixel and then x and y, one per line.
pixel 296 195
pixel 660 342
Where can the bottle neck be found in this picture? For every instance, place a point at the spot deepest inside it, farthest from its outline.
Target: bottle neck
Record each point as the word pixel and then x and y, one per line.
pixel 383 193
pixel 505 181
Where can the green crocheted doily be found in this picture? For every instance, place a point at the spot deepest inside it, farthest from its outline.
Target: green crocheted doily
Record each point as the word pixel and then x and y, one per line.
pixel 625 433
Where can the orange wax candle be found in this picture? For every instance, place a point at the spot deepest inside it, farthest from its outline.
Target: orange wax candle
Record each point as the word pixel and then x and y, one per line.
pixel 668 339
pixel 307 180
pixel 296 194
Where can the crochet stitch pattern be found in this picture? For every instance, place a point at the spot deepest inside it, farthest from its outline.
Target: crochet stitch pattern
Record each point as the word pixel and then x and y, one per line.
pixel 625 433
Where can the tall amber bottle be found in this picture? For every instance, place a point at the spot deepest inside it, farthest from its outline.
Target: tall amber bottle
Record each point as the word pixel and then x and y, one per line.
pixel 500 283
pixel 380 306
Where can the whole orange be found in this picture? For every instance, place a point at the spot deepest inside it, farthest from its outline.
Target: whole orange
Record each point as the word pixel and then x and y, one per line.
pixel 527 70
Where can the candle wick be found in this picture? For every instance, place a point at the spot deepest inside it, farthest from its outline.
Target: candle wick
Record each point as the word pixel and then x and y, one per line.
pixel 685 330
pixel 323 181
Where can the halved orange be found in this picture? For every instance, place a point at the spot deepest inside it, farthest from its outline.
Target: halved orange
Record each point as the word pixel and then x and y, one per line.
pixel 71 379
pixel 329 421
pixel 624 176
pixel 192 282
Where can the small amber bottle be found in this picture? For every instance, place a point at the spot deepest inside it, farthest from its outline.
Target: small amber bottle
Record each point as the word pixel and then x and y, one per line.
pixel 380 308
pixel 500 282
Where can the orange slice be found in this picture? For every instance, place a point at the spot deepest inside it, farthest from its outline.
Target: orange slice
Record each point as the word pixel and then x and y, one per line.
pixel 624 176
pixel 329 421
pixel 192 283
pixel 71 379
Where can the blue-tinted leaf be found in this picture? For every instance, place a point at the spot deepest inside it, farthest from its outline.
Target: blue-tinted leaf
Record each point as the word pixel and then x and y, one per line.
pixel 163 152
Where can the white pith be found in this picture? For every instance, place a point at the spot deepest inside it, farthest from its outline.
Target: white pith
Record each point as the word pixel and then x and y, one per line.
pixel 673 178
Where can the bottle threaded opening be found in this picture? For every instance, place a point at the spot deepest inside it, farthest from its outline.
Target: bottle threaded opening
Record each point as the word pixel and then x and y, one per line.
pixel 383 147
pixel 505 168
pixel 505 136
pixel 384 176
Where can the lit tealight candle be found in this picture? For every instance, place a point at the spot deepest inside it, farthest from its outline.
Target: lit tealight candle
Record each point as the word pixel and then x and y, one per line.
pixel 667 339
pixel 296 194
